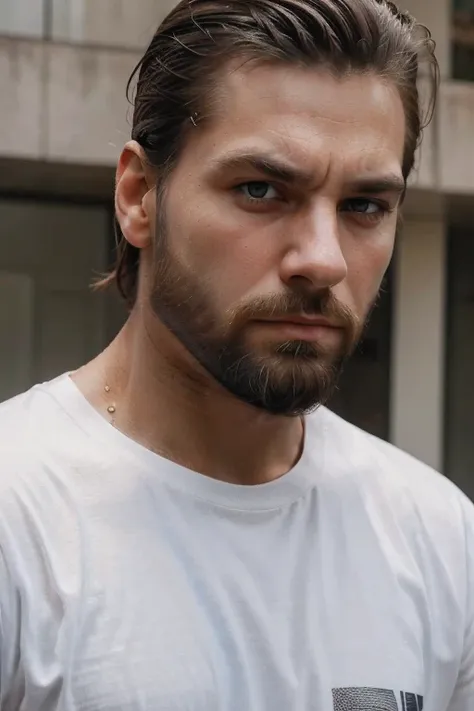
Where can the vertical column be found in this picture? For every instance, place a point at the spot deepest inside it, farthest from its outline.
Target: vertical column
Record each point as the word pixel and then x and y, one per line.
pixel 418 362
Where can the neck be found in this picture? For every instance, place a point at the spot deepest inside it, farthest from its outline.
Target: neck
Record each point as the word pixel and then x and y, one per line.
pixel 167 403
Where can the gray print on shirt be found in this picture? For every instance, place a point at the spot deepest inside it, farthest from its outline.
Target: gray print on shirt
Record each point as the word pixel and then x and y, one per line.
pixel 365 699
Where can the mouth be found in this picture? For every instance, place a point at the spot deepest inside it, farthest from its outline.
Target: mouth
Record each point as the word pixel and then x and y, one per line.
pixel 311 321
pixel 305 328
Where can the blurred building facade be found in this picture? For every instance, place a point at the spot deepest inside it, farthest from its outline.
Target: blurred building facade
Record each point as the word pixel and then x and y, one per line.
pixel 63 120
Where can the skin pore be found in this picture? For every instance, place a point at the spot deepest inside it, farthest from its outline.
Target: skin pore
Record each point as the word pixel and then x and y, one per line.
pixel 284 203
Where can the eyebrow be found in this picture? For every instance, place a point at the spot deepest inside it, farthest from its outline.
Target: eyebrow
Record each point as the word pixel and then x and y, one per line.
pixel 377 185
pixel 277 169
pixel 266 165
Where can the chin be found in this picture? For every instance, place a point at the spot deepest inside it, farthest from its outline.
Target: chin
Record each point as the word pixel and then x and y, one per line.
pixel 285 386
pixel 283 404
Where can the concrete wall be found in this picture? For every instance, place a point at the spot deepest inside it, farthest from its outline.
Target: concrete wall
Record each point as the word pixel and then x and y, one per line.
pixel 63 102
pixel 436 15
pixel 67 101
pixel 112 23
pixel 116 23
pixel 22 88
pixel 122 23
pixel 22 17
pixel 455 138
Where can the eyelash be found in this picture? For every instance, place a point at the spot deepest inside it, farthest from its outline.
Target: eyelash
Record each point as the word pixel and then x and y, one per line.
pixel 383 210
pixel 252 200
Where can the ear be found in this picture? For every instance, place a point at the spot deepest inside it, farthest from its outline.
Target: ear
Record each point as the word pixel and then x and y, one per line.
pixel 133 207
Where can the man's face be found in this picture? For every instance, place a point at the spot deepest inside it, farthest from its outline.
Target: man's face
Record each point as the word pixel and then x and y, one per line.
pixel 276 228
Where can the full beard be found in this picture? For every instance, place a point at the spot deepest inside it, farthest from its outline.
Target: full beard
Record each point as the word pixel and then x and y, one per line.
pixel 289 378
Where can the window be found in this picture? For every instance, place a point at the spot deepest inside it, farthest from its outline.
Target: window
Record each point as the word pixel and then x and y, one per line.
pixel 50 320
pixel 463 40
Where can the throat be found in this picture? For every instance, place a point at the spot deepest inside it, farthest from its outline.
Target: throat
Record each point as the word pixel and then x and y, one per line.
pixel 193 422
pixel 219 443
pixel 252 455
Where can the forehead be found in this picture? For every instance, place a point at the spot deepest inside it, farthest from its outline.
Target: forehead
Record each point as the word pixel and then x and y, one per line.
pixel 328 125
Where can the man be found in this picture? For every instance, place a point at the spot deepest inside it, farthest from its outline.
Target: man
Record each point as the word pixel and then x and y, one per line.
pixel 183 524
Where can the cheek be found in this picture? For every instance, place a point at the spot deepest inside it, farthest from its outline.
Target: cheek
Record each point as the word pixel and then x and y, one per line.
pixel 230 260
pixel 235 269
pixel 366 269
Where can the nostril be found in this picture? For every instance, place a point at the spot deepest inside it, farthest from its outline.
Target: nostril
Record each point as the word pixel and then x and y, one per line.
pixel 300 282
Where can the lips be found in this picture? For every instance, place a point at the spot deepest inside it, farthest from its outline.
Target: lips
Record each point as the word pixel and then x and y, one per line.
pixel 316 322
pixel 316 330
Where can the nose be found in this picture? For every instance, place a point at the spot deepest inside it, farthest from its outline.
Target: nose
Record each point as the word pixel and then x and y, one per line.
pixel 315 258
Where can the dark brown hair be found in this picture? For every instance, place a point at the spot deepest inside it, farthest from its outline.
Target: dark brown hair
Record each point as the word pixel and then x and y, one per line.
pixel 180 70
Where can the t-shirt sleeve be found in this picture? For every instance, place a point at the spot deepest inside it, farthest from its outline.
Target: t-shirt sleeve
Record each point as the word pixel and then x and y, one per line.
pixel 9 612
pixel 463 699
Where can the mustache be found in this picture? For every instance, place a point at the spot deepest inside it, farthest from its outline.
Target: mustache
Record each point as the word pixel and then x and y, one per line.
pixel 323 304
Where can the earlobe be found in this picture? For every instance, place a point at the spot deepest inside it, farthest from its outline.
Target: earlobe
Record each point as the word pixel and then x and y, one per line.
pixel 130 192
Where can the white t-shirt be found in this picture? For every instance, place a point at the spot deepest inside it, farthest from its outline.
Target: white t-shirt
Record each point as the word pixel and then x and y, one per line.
pixel 130 583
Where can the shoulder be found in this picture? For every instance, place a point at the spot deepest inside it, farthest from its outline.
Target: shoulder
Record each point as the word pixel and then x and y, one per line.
pixel 55 464
pixel 424 503
pixel 381 462
pixel 28 416
pixel 28 429
pixel 423 526
pixel 38 427
pixel 29 426
pixel 42 455
pixel 40 528
pixel 418 519
pixel 19 435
